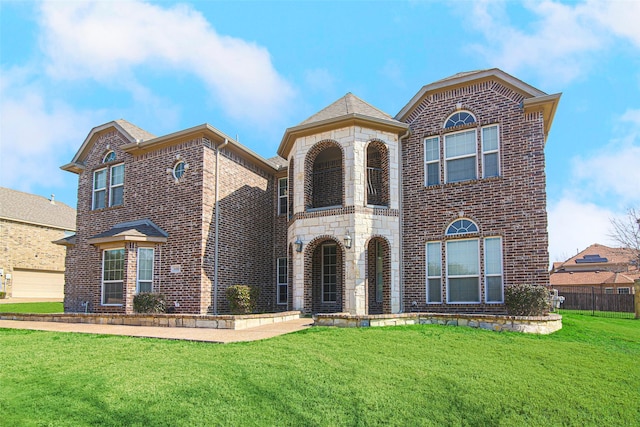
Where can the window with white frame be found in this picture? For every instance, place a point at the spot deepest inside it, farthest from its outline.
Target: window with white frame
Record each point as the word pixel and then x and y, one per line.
pixel 283 280
pixel 117 185
pixel 109 157
pixel 490 152
pixel 459 118
pixel 434 272
pixel 608 290
pixel 463 271
pixel 283 196
pixel 493 270
pixel 625 291
pixel 99 189
pixel 145 270
pixel 460 156
pixel 329 273
pixel 112 276
pixel 432 161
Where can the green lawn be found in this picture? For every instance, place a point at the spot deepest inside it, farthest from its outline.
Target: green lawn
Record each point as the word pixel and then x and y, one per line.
pixel 587 374
pixel 32 307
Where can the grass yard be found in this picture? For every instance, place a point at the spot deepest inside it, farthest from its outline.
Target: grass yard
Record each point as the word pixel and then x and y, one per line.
pixel 32 307
pixel 587 374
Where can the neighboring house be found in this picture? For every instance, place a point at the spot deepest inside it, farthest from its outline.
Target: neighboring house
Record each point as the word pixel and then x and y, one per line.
pixel 32 265
pixel 436 209
pixel 610 270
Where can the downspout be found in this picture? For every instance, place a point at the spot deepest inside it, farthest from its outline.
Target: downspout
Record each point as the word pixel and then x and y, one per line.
pixel 400 218
pixel 216 228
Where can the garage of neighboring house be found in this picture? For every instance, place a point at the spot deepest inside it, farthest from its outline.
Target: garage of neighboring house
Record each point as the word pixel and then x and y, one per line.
pixel 38 284
pixel 34 234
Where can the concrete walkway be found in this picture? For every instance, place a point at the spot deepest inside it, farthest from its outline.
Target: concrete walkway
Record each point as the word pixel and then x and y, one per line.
pixel 191 334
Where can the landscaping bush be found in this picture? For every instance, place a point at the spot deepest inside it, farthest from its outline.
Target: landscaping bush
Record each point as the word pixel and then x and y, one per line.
pixel 2 295
pixel 243 299
pixel 149 302
pixel 527 300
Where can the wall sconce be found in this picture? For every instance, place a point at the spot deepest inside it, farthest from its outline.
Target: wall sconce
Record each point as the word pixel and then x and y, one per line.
pixel 347 240
pixel 298 244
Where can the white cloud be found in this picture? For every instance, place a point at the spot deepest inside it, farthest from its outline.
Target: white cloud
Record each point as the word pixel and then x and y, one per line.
pixel 36 133
pixel 574 225
pixel 611 174
pixel 105 40
pixel 560 41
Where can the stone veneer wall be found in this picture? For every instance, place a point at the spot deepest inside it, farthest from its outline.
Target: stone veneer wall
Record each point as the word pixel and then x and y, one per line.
pixel 542 325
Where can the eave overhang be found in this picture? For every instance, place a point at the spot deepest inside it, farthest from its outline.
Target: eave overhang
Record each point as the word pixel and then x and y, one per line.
pixel 200 131
pixel 547 104
pixel 355 119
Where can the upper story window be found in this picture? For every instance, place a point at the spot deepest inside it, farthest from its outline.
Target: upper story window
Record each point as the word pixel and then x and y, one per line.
pixel 115 177
pixel 117 185
pixel 178 170
pixel 377 174
pixel 464 151
pixel 432 161
pixel 109 157
pixel 459 118
pixel 490 151
pixel 283 198
pixel 461 226
pixel 99 188
pixel 327 180
pixel 460 156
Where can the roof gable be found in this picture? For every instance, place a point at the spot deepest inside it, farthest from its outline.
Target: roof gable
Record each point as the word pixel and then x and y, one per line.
pixel 534 99
pixel 130 131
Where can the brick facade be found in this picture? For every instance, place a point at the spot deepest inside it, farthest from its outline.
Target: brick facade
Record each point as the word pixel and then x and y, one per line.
pixel 363 156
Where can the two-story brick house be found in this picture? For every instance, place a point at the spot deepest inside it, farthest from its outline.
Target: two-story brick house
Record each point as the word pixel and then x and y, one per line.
pixel 436 209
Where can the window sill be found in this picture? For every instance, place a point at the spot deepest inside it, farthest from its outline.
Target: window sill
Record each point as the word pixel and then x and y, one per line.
pixel 324 208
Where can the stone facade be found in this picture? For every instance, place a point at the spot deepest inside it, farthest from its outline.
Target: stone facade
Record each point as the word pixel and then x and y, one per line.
pixel 349 226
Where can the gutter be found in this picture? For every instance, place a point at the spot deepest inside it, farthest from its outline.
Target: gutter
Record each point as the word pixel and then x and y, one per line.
pixel 216 249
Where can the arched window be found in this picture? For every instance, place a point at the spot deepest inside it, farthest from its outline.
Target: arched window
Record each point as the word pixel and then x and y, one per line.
pixel 377 174
pixel 326 178
pixel 461 226
pixel 459 118
pixel 109 157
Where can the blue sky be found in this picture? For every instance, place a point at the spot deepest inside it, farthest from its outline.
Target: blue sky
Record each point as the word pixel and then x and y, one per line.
pixel 252 69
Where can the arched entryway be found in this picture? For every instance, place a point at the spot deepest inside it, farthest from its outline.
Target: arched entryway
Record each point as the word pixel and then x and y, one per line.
pixel 378 276
pixel 324 276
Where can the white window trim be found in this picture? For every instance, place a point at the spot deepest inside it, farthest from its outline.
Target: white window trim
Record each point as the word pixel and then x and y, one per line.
pixel 153 259
pixel 280 196
pixel 113 186
pixel 95 190
pixel 279 283
pixel 608 289
pixel 103 282
pixel 478 276
pixel 428 162
pixel 496 151
pixel 486 276
pixel 447 159
pixel 623 293
pixel 475 119
pixel 426 249
pixel 322 274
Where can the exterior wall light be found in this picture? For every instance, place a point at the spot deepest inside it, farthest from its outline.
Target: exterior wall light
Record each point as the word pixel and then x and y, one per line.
pixel 347 240
pixel 298 244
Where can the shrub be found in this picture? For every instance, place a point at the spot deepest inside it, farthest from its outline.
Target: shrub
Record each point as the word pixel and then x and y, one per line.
pixel 2 295
pixel 243 299
pixel 527 300
pixel 149 302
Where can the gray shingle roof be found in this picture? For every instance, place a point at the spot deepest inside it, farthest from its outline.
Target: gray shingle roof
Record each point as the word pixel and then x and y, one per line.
pixel 348 104
pixel 33 209
pixel 143 227
pixel 133 130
